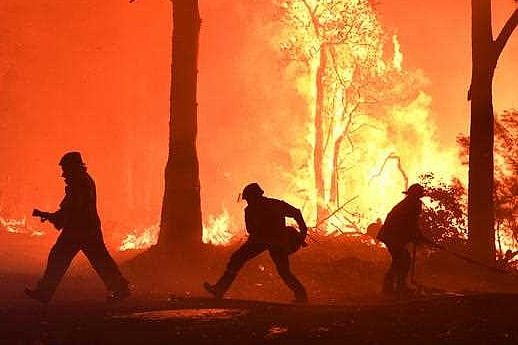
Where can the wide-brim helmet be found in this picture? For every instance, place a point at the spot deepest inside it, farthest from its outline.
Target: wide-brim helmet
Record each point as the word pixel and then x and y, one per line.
pixel 72 159
pixel 415 190
pixel 252 191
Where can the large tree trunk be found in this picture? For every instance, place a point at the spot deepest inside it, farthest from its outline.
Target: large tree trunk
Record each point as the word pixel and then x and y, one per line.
pixel 181 223
pixel 480 196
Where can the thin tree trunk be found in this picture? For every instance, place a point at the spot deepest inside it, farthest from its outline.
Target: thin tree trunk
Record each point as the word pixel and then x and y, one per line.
pixel 480 196
pixel 334 193
pixel 181 224
pixel 318 153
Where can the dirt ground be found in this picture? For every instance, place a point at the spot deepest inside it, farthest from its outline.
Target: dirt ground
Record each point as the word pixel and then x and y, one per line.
pixel 474 319
pixel 462 304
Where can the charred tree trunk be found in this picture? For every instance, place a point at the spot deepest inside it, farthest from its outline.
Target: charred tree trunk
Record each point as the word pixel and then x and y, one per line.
pixel 485 54
pixel 480 195
pixel 181 223
pixel 318 153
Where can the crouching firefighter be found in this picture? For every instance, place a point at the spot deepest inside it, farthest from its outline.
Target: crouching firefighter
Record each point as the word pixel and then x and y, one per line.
pixel 401 228
pixel 80 227
pixel 265 224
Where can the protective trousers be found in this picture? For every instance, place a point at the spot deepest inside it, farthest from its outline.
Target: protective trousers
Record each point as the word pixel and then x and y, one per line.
pixel 395 278
pixel 66 248
pixel 251 249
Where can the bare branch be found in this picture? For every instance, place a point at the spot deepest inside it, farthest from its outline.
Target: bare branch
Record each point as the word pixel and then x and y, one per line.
pixel 350 140
pixel 314 12
pixel 314 19
pixel 332 50
pixel 364 125
pixel 392 155
pixel 301 21
pixel 504 35
pixel 353 224
pixel 337 210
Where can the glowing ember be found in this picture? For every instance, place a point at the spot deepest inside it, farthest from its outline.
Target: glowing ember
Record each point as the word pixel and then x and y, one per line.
pixel 13 225
pixel 19 226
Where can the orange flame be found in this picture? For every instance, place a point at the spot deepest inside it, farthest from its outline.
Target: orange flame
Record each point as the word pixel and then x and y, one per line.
pixel 370 129
pixel 218 230
pixel 376 131
pixel 13 225
pixel 140 240
pixel 19 226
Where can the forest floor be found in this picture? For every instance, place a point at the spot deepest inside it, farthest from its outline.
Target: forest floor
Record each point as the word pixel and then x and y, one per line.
pixel 473 319
pixel 462 304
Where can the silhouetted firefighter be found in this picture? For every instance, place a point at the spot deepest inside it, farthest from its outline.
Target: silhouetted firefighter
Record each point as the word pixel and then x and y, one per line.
pixel 400 228
pixel 80 227
pixel 265 223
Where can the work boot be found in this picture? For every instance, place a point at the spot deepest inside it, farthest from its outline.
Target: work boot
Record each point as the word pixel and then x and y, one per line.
pixel 214 290
pixel 38 295
pixel 118 295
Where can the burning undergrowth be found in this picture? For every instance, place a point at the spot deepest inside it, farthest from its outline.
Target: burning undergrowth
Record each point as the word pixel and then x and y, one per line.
pixel 354 130
pixel 19 226
pixel 340 268
pixel 329 118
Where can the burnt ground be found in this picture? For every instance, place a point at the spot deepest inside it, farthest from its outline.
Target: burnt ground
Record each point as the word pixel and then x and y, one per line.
pixel 464 304
pixel 474 319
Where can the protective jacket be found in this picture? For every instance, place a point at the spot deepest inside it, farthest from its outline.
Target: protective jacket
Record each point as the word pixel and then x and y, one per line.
pixel 402 223
pixel 265 221
pixel 78 210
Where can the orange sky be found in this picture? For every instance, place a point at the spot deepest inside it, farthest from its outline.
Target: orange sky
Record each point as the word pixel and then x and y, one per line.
pixel 436 39
pixel 93 75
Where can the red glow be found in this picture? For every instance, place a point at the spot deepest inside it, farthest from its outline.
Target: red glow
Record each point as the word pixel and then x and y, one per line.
pixel 94 76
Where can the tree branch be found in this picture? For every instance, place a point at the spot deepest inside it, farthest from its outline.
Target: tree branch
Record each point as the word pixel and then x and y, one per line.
pixel 504 35
pixel 314 19
pixel 337 210
pixel 392 155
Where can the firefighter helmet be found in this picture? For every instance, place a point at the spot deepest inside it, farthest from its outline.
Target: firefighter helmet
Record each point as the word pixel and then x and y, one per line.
pixel 251 191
